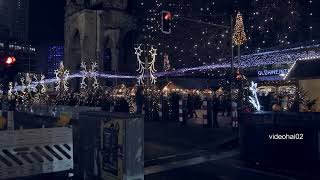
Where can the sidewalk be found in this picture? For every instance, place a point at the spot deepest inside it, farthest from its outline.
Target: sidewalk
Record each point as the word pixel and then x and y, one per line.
pixel 166 139
pixel 219 168
pixel 223 121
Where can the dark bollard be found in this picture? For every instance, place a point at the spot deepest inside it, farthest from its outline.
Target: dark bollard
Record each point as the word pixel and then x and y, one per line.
pixel 210 114
pixel 183 112
pixel 207 113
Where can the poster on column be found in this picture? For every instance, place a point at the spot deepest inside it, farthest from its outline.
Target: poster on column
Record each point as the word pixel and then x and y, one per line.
pixel 112 151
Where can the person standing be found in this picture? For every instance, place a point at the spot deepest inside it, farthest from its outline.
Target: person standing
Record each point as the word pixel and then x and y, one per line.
pixel 189 106
pixel 215 112
pixel 194 106
pixel 234 114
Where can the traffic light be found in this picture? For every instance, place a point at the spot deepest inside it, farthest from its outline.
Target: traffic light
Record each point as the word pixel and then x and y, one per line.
pixel 166 20
pixel 8 69
pixel 10 60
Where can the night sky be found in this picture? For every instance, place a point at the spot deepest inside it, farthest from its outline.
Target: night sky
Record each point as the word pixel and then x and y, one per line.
pixel 47 18
pixel 46 21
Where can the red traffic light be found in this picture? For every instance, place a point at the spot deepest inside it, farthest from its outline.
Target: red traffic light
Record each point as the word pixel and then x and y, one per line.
pixel 10 60
pixel 167 16
pixel 166 22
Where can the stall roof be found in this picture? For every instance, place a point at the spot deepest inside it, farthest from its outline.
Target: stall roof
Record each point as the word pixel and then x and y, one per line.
pixel 305 69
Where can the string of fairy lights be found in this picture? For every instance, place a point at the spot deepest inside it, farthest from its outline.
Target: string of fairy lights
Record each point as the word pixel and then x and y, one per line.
pixel 292 18
pixel 267 23
pixel 33 90
pixel 288 56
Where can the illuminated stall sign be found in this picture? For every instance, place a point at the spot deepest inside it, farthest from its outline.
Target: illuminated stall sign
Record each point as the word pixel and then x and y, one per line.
pixel 273 72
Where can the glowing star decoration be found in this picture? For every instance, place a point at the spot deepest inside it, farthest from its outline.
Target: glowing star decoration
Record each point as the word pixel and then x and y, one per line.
pixel 141 65
pixel 89 74
pixel 84 73
pixel 23 85
pixel 42 84
pixel 254 99
pixel 151 68
pixel 35 89
pixel 239 36
pixel 62 76
pixel 94 74
pixel 28 82
pixel 10 91
pixel 15 90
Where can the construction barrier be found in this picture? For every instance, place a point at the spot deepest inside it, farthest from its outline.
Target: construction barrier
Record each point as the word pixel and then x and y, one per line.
pixel 35 151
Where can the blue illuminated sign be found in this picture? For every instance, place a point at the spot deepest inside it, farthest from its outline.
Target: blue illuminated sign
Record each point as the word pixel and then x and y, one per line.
pixel 273 72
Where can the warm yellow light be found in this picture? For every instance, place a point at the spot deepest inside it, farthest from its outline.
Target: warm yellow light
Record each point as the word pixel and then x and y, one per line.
pixel 239 36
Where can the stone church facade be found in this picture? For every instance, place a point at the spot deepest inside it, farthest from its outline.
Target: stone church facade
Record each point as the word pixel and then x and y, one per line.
pixel 100 30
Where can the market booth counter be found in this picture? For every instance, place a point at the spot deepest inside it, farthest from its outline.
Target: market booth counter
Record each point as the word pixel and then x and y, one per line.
pixel 282 138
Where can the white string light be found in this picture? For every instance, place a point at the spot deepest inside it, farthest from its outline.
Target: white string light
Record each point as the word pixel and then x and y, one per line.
pixel 42 84
pixel 10 91
pixel 254 98
pixel 28 82
pixel 152 70
pixel 89 74
pixel 15 90
pixel 141 64
pixel 84 73
pixel 62 76
pixel 191 47
pixel 94 74
pixel 23 86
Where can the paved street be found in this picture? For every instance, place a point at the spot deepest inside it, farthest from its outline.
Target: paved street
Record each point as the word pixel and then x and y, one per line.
pixel 163 139
pixel 222 167
pixel 175 152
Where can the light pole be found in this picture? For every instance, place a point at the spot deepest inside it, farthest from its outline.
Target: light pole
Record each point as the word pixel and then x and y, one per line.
pixel 232 58
pixel 239 37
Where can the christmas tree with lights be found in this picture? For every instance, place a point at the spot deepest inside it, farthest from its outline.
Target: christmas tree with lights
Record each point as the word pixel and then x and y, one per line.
pixel 239 36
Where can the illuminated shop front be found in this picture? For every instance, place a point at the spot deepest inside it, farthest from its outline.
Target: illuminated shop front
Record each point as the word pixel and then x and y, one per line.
pixel 272 87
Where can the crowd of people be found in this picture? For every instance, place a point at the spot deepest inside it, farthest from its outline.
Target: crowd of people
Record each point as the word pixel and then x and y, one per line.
pixel 220 104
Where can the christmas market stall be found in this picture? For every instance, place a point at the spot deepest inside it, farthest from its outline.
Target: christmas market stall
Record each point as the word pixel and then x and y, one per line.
pixel 309 84
pixel 274 137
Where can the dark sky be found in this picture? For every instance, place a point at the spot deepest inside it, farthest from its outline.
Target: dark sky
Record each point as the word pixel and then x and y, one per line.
pixel 46 21
pixel 47 18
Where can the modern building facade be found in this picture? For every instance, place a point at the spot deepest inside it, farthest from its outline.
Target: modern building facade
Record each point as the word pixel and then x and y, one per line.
pixel 25 55
pixel 55 56
pixel 14 20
